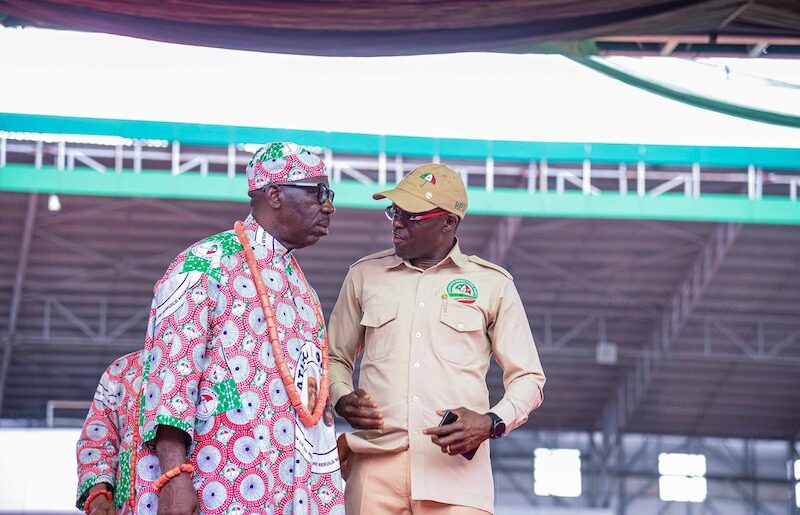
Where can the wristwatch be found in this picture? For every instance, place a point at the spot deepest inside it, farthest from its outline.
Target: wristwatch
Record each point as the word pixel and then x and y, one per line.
pixel 498 426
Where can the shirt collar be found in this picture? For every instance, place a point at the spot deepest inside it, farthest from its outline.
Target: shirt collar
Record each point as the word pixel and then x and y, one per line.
pixel 454 256
pixel 262 237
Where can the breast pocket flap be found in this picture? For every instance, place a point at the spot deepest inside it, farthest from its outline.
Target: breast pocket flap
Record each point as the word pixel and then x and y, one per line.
pixel 378 315
pixel 462 319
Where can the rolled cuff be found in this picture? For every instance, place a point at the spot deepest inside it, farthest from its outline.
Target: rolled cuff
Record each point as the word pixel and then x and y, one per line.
pixel 166 420
pixel 508 413
pixel 83 491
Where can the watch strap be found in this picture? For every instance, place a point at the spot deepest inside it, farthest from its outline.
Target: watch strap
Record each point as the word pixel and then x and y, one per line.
pixel 498 426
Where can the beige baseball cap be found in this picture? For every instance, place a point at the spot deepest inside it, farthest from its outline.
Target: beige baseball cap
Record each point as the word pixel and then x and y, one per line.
pixel 428 187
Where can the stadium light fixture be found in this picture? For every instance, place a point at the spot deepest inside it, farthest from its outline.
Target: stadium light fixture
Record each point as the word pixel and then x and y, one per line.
pixel 557 472
pixel 682 477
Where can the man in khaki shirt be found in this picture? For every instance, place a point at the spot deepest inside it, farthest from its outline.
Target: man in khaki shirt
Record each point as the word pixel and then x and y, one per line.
pixel 427 318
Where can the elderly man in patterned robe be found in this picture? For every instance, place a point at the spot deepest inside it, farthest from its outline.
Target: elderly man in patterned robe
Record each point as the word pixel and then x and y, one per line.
pixel 104 447
pixel 215 394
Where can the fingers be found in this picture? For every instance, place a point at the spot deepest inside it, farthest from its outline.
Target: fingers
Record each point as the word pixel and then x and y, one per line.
pixel 457 443
pixel 457 448
pixel 361 398
pixel 447 435
pixel 458 437
pixel 444 430
pixel 365 423
pixel 451 439
pixel 355 402
pixel 361 411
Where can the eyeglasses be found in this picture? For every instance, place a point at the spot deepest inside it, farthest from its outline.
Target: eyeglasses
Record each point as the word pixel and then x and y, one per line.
pixel 324 192
pixel 393 213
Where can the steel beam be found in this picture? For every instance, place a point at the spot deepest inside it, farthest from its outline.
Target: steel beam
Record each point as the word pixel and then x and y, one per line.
pixel 793 454
pixel 668 48
pixel 505 231
pixel 183 213
pixel 758 49
pixel 735 13
pixel 22 263
pixel 579 279
pixel 710 207
pixel 16 296
pixel 679 310
pixel 445 148
pixel 731 468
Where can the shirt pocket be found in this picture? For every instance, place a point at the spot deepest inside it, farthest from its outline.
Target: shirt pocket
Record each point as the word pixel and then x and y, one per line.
pixel 460 335
pixel 379 319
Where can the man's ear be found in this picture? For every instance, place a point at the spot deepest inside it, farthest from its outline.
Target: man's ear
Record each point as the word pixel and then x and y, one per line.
pixel 273 196
pixel 451 223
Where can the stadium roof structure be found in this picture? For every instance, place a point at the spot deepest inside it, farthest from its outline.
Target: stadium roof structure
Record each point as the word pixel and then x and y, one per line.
pixel 661 282
pixel 345 28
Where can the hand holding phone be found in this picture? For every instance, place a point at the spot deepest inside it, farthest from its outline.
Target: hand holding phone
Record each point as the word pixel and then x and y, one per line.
pixel 450 417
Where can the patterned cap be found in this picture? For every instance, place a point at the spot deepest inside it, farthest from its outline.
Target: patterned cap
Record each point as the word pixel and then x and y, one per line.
pixel 282 162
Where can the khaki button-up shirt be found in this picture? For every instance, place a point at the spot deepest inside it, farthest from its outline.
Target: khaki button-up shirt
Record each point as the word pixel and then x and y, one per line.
pixel 427 336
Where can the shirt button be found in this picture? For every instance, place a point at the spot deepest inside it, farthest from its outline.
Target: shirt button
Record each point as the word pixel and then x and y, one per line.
pixel 461 326
pixel 416 365
pixel 416 398
pixel 419 335
pixel 422 304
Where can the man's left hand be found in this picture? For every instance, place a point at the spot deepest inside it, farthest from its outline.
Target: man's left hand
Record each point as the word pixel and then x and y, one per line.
pixel 463 435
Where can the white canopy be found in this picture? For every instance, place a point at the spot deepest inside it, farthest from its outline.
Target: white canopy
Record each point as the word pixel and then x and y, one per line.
pixel 483 96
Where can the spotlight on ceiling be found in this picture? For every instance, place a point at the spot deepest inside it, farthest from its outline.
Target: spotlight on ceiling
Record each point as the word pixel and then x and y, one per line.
pixel 606 353
pixel 53 203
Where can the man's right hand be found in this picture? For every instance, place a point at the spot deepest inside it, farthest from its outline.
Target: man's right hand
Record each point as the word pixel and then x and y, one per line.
pixel 178 497
pixel 100 505
pixel 360 411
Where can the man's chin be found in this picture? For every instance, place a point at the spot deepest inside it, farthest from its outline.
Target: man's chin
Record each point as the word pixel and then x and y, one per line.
pixel 311 239
pixel 401 250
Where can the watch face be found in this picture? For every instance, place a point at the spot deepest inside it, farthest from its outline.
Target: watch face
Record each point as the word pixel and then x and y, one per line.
pixel 498 426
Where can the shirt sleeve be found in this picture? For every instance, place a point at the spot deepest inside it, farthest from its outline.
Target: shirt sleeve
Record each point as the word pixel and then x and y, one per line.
pixel 97 450
pixel 176 345
pixel 346 337
pixel 515 352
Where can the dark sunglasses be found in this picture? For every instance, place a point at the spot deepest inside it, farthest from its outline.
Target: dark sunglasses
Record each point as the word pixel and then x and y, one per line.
pixel 324 192
pixel 393 213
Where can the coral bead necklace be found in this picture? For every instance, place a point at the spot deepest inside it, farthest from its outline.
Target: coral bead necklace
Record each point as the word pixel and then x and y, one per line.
pixel 308 419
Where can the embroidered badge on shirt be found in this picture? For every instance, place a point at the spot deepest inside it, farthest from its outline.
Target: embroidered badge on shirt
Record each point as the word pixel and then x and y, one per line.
pixel 205 256
pixel 462 291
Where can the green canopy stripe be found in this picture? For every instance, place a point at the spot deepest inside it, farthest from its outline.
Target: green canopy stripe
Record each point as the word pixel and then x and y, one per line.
pixel 688 97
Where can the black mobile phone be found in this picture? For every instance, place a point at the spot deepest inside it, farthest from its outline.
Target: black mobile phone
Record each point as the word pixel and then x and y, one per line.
pixel 450 417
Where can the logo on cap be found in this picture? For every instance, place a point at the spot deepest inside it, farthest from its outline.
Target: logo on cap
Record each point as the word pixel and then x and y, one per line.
pixel 428 176
pixel 462 291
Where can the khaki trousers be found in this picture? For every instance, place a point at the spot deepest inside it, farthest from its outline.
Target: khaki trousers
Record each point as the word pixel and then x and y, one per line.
pixel 380 484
